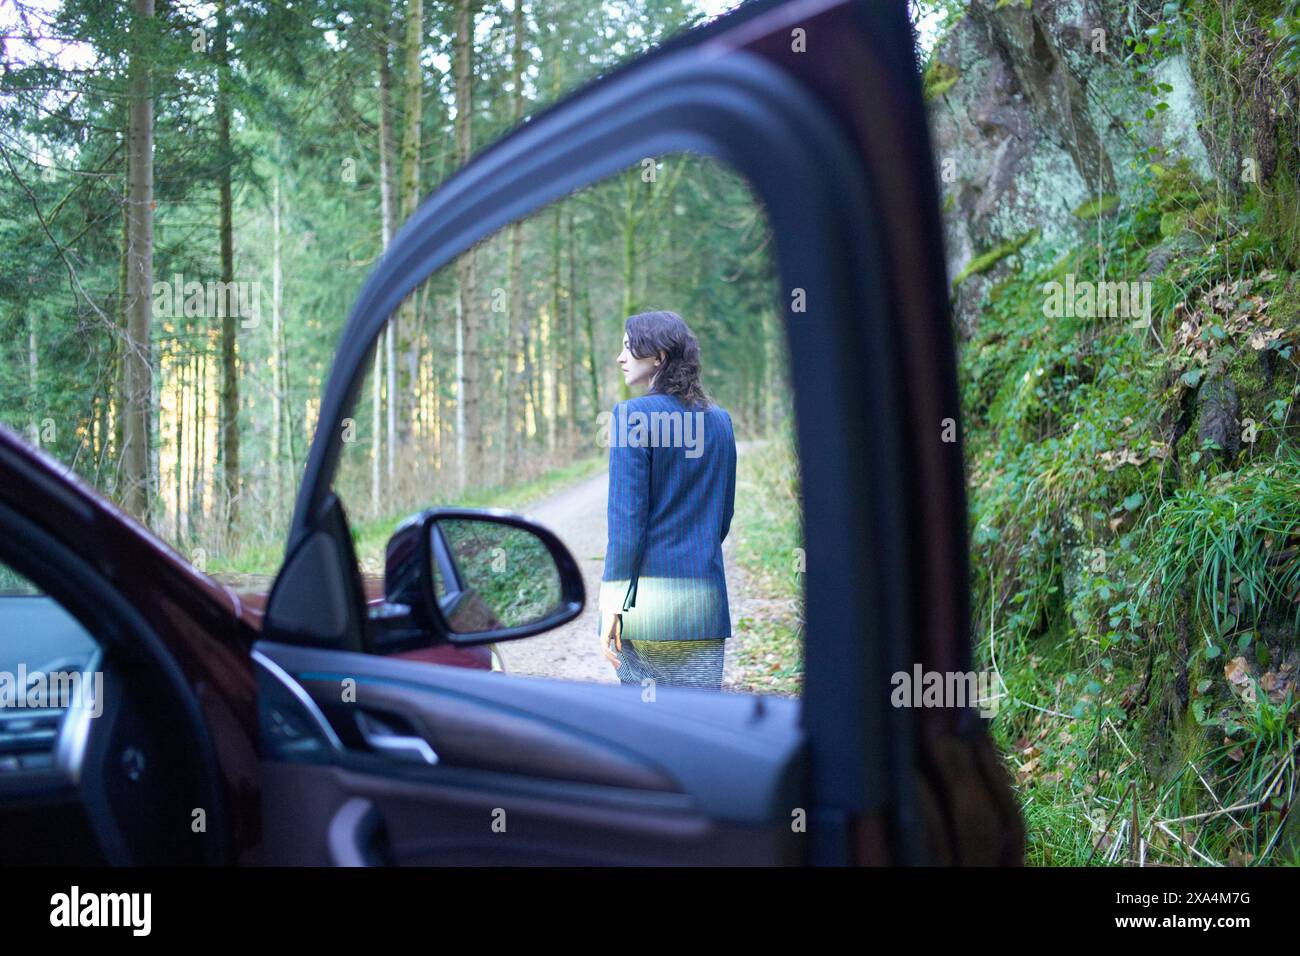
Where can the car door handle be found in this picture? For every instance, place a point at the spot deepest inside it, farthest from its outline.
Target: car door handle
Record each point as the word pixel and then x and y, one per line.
pixel 383 739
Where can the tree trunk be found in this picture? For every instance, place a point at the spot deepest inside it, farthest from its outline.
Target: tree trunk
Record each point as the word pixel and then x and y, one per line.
pixel 468 398
pixel 571 338
pixel 195 442
pixel 33 373
pixel 390 350
pixel 553 333
pixel 591 351
pixel 385 235
pixel 460 390
pixel 119 342
pixel 402 396
pixel 530 384
pixel 178 469
pixel 277 377
pixel 515 345
pixel 518 321
pixel 229 357
pixel 139 284
pixel 198 474
pixel 290 433
pixel 629 262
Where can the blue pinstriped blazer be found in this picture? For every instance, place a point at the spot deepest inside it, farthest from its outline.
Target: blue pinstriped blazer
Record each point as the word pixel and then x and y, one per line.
pixel 672 493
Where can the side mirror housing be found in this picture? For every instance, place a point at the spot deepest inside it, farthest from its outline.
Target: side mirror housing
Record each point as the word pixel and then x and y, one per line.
pixel 466 576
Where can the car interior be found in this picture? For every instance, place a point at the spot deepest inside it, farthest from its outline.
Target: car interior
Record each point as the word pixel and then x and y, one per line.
pixel 104 759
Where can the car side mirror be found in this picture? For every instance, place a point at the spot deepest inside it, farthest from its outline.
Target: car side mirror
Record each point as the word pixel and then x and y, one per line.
pixel 473 576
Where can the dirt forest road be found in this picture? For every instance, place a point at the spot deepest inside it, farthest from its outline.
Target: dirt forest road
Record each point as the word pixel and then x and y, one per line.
pixel 572 652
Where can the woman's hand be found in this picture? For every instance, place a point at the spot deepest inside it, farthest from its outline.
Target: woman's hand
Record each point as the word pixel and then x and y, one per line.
pixel 611 627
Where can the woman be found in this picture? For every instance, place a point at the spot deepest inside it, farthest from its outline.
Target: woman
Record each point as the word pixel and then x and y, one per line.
pixel 672 491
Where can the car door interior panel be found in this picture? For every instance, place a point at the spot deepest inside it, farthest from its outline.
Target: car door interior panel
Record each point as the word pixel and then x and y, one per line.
pixel 529 770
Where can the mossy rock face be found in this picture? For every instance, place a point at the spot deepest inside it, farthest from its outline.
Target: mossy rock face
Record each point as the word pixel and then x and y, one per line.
pixel 1220 416
pixel 1097 208
pixel 1176 182
pixel 1171 250
pixel 1172 223
pixel 939 79
pixel 1280 209
pixel 1203 219
pixel 1259 381
pixel 1103 391
pixel 1284 306
pixel 987 260
pixel 1076 556
pixel 1167 735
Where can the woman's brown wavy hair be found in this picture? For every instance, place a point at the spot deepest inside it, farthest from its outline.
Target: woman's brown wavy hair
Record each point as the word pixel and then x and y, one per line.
pixel 648 334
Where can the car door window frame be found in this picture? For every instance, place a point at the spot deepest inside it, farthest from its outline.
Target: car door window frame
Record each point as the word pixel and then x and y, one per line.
pixel 763 123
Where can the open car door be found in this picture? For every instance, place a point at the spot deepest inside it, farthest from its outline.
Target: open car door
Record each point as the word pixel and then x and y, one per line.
pixel 371 760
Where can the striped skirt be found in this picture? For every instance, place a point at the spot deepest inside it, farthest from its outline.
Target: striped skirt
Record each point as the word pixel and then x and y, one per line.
pixel 675 663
